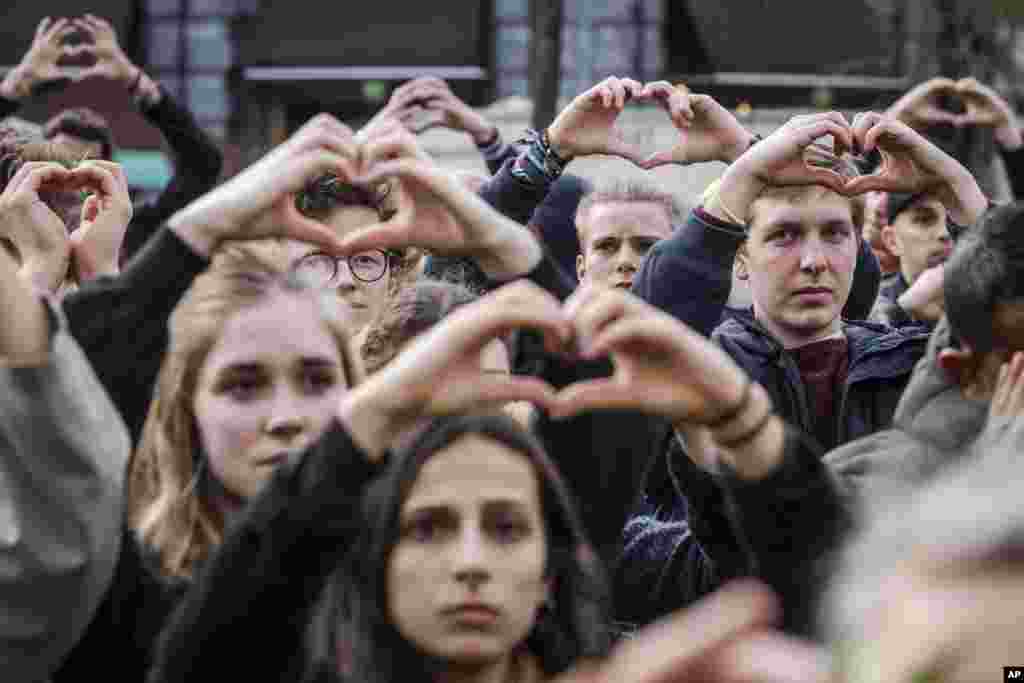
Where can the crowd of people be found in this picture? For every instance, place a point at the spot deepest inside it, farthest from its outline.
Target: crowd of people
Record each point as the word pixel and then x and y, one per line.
pixel 353 416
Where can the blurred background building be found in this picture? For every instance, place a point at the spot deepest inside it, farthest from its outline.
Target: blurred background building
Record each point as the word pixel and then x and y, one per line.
pixel 253 70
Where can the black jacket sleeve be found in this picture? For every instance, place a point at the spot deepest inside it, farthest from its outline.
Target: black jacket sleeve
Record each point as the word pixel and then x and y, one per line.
pixel 689 275
pixel 121 322
pixel 791 522
pixel 508 196
pixel 197 165
pixel 1014 162
pixel 8 107
pixel 252 602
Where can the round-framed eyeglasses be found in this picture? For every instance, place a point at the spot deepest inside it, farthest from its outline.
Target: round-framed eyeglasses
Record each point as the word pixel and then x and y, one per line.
pixel 323 269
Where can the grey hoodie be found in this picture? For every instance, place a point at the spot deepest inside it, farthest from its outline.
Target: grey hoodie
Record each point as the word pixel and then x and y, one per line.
pixel 933 426
pixel 63 453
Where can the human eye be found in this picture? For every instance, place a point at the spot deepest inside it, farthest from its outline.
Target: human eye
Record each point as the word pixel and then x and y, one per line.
pixel 318 380
pixel 837 233
pixel 606 245
pixel 783 236
pixel 241 386
pixel 508 526
pixel 426 527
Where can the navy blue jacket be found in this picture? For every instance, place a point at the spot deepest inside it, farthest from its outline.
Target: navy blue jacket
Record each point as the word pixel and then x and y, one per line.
pixel 689 275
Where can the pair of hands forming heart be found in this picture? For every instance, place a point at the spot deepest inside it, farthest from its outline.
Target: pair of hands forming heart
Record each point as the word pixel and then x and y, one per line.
pixel 428 102
pixel 661 366
pixel 708 131
pixel 791 156
pixel 44 65
pixel 980 105
pixel 40 237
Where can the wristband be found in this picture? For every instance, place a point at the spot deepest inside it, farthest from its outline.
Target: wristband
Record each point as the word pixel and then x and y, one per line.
pixel 135 81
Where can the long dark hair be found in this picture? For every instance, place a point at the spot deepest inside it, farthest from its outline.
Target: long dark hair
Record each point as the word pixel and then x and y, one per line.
pixel 369 647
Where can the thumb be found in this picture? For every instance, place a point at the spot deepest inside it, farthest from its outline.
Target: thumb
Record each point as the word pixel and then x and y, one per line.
pixel 382 236
pixel 90 209
pixel 659 159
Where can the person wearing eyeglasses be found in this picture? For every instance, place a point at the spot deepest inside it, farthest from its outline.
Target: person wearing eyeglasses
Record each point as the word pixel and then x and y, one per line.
pixel 363 280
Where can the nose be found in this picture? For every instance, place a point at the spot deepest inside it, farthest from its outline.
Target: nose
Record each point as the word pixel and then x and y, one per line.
pixel 344 278
pixel 812 258
pixel 627 261
pixel 471 559
pixel 287 418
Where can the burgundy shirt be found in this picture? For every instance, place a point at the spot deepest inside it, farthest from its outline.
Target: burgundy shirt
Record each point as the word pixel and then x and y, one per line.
pixel 823 366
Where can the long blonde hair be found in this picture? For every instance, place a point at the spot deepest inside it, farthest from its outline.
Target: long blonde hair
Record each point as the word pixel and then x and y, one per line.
pixel 168 509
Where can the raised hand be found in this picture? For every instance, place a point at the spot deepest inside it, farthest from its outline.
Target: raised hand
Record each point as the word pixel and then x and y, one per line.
pixel 910 163
pixel 724 638
pixel 661 366
pixel 921 106
pixel 259 201
pixel 37 235
pixel 111 61
pixel 707 130
pixel 985 107
pixel 39 66
pixel 587 125
pixel 781 159
pixel 438 214
pixel 106 213
pixel 437 105
pixel 439 373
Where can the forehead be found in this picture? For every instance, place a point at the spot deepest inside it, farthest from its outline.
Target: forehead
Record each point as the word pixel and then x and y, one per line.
pixel 819 208
pixel 627 218
pixel 472 471
pixel 923 204
pixel 279 330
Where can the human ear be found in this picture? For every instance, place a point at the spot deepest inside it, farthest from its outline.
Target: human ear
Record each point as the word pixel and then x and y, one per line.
pixel 739 266
pixel 958 364
pixel 581 268
pixel 890 241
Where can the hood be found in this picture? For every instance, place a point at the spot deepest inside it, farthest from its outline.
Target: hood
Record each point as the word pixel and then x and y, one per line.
pixel 932 407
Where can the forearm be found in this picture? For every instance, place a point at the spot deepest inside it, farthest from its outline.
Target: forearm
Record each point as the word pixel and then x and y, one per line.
pixel 271 568
pixel 689 275
pixel 791 519
pixel 125 317
pixel 62 463
pixel 25 336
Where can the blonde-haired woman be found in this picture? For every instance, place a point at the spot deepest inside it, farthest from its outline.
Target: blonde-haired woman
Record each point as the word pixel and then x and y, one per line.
pixel 233 400
pixel 254 357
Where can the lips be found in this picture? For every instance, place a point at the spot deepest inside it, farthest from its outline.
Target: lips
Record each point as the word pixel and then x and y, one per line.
pixel 472 613
pixel 814 291
pixel 274 460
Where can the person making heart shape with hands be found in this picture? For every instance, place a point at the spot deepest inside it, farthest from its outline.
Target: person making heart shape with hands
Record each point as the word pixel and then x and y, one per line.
pixel 49 256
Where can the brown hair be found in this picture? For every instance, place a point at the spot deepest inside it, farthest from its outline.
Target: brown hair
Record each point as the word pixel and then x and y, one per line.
pixel 414 310
pixel 329 193
pixel 167 508
pixel 84 123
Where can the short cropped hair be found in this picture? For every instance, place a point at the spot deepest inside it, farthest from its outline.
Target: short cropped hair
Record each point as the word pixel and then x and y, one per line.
pixel 631 191
pixel 985 270
pixel 84 123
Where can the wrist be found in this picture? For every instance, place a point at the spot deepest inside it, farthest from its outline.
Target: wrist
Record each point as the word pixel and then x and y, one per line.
pixel 738 148
pixel 737 191
pixel 483 135
pixel 558 145
pixel 760 455
pixel 512 252
pixel 368 423
pixel 1009 137
pixel 16 84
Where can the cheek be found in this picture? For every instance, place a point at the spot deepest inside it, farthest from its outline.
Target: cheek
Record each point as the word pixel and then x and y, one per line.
pixel 227 428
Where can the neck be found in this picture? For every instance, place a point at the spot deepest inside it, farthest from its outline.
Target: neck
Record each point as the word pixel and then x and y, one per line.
pixel 794 338
pixel 512 668
pixel 908 277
